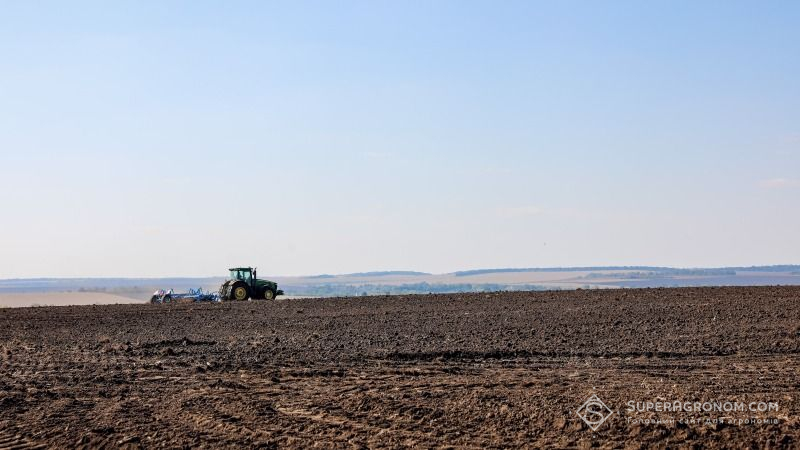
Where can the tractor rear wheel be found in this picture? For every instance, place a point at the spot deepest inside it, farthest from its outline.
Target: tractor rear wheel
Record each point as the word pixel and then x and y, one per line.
pixel 268 294
pixel 239 291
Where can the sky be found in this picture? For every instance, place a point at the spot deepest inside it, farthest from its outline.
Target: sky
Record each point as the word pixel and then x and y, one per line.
pixel 152 138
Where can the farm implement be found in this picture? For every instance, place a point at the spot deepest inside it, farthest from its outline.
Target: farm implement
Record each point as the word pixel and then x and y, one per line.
pixel 194 295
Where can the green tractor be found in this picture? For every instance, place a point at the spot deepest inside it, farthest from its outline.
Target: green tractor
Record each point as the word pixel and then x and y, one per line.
pixel 244 285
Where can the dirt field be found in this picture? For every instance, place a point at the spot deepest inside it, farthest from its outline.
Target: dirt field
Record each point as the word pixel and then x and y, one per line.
pixel 62 299
pixel 476 371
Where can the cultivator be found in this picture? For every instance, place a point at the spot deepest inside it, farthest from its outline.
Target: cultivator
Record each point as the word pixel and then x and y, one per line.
pixel 194 295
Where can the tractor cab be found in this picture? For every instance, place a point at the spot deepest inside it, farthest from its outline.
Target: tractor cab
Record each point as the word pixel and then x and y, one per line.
pixel 245 274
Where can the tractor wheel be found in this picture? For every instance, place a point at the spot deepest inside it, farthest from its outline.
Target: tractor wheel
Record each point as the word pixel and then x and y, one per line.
pixel 268 294
pixel 239 291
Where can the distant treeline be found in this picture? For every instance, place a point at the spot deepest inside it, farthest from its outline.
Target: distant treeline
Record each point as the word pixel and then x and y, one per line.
pixel 350 290
pixel 658 270
pixel 329 286
pixel 109 285
pixel 372 274
pixel 670 272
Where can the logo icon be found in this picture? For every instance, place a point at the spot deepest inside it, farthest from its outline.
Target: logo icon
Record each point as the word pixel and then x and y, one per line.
pixel 594 412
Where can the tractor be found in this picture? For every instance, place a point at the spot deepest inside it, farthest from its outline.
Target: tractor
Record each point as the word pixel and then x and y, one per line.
pixel 243 285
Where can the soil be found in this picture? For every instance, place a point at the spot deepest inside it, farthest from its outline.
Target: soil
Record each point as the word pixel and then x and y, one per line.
pixel 17 300
pixel 464 370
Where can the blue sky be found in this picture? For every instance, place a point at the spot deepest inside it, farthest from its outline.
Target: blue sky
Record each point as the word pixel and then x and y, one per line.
pixel 179 138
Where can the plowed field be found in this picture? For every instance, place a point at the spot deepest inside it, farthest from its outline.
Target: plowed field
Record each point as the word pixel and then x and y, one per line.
pixel 461 370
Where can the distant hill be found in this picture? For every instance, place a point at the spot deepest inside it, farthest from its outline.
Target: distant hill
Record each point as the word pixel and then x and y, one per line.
pixel 386 273
pixel 661 270
pixel 467 273
pixel 110 285
pixel 409 282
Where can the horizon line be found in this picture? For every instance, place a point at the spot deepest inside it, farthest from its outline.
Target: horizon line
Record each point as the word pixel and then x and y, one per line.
pixel 420 273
